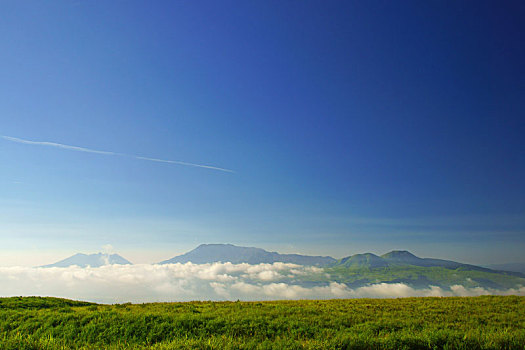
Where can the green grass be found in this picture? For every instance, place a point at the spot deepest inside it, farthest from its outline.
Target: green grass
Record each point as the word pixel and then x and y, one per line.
pixel 489 322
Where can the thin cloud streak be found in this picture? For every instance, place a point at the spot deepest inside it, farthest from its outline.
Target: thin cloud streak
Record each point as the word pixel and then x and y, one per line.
pixel 183 163
pixel 108 153
pixel 59 145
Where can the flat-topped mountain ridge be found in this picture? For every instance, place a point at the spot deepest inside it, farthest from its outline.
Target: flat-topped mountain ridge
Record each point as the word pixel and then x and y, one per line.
pixel 211 253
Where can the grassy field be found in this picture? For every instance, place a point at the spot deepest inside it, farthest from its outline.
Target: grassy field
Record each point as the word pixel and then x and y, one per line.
pixel 488 322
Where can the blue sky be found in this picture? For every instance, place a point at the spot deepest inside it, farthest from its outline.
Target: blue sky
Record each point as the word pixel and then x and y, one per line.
pixel 350 127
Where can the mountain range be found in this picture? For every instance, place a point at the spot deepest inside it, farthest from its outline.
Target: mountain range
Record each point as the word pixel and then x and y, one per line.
pixel 397 258
pixel 210 253
pixel 397 265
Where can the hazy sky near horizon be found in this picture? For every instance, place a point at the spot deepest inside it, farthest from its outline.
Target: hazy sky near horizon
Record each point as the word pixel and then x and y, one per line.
pixel 315 127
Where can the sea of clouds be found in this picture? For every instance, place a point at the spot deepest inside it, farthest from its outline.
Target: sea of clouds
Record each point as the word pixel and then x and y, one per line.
pixel 184 282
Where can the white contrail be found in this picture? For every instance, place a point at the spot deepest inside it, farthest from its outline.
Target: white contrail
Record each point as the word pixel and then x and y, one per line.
pixel 183 163
pixel 59 145
pixel 83 149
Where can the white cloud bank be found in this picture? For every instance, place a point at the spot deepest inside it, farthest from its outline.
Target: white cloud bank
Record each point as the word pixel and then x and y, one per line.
pixel 183 282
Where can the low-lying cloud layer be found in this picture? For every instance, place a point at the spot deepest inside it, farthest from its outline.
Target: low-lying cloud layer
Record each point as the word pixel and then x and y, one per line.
pixel 183 282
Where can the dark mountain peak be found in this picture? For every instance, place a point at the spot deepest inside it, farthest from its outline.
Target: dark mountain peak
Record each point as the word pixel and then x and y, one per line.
pixel 210 253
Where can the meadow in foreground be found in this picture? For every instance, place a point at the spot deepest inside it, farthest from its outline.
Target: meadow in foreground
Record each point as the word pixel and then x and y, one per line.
pixel 488 322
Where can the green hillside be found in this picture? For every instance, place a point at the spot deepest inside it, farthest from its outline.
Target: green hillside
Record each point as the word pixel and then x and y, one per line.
pixel 358 261
pixel 492 322
pixel 403 267
pixel 419 277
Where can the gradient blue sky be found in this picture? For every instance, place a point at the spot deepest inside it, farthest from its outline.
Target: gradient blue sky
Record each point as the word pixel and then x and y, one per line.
pixel 350 127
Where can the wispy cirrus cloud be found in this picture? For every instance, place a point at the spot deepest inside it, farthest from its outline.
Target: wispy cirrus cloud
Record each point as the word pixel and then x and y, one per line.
pixel 108 153
pixel 59 145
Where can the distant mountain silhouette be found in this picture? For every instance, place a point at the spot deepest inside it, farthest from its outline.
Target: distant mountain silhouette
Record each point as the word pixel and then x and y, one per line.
pixel 358 270
pixel 400 258
pixel 210 253
pixel 93 260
